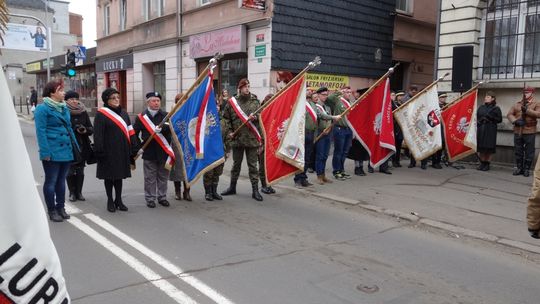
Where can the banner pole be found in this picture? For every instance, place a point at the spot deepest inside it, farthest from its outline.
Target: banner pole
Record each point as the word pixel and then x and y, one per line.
pixel 461 96
pixel 421 92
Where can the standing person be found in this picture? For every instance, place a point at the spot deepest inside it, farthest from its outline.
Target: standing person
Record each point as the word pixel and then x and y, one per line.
pixel 211 178
pixel 240 109
pixel 523 115
pixel 488 116
pixel 533 204
pixel 115 146
pixel 398 134
pixel 262 174
pixel 157 154
pixel 223 98
pixel 54 137
pixel 357 152
pixel 33 97
pixel 301 179
pixel 413 90
pixel 437 156
pixel 83 129
pixel 39 38
pixel 324 120
pixel 342 133
pixel 177 171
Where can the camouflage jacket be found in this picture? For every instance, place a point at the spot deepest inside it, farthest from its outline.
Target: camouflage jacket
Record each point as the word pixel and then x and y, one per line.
pixel 337 106
pixel 231 121
pixel 324 120
pixel 310 124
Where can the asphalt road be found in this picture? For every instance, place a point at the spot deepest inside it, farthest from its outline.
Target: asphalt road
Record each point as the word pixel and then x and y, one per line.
pixel 290 248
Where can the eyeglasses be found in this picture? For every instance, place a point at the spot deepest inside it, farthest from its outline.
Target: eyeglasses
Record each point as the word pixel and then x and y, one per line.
pixel 323 94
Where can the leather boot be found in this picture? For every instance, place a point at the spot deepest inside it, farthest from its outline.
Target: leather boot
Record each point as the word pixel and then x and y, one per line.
pixel 62 212
pixel 110 205
pixel 268 190
pixel 55 217
pixel 70 180
pixel 484 166
pixel 518 171
pixel 178 191
pixel 231 190
pixel 481 166
pixel 79 181
pixel 359 171
pixel 527 169
pixel 186 194
pixel 118 204
pixel 326 180
pixel 208 193
pixel 256 195
pixel 215 194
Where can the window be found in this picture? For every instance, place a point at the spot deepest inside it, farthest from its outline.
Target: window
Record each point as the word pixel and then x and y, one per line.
pixel 205 2
pixel 152 9
pixel 106 20
pixel 159 81
pixel 511 42
pixel 123 14
pixel 404 6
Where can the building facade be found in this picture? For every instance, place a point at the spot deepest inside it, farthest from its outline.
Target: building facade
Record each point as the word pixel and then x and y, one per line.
pixel 505 36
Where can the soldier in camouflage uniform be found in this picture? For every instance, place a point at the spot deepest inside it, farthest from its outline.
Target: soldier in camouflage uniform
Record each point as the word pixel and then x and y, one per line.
pixel 245 140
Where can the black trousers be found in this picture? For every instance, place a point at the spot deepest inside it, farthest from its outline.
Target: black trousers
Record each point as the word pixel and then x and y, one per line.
pixel 524 150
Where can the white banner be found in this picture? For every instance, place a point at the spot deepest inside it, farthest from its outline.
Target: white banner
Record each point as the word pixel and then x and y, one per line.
pixel 292 146
pixel 30 270
pixel 420 121
pixel 26 37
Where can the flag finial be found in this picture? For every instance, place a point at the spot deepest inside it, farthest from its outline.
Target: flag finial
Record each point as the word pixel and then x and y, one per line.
pixel 315 62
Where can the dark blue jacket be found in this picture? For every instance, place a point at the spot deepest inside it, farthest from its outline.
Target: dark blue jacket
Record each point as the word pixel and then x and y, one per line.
pixel 52 135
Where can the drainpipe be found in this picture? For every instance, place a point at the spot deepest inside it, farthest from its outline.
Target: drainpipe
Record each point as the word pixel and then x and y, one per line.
pixel 437 39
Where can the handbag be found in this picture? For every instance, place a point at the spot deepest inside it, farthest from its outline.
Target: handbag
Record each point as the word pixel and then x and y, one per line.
pixel 92 159
pixel 77 155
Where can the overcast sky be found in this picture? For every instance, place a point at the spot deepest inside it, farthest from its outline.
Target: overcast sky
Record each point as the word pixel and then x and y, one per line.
pixel 86 8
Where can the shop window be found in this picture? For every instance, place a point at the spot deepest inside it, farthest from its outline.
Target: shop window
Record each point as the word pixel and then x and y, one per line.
pixel 160 80
pixel 231 71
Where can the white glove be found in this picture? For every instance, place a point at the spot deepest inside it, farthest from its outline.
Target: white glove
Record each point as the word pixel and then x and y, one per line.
pixel 140 152
pixel 157 130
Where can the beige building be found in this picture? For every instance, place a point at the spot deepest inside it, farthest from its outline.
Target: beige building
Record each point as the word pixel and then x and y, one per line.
pixel 506 41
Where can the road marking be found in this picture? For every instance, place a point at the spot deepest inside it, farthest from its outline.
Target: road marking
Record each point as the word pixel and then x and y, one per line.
pixel 137 265
pixel 71 209
pixel 189 279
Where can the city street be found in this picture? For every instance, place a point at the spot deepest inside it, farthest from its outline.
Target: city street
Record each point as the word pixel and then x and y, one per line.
pixel 294 247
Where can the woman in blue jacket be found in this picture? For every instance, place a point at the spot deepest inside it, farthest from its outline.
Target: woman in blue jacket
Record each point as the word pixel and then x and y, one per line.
pixel 54 136
pixel 39 38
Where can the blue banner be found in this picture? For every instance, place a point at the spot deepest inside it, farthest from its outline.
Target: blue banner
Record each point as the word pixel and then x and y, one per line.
pixel 185 122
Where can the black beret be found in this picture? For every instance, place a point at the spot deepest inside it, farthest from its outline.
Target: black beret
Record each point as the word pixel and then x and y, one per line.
pixel 322 89
pixel 107 94
pixel 153 94
pixel 71 94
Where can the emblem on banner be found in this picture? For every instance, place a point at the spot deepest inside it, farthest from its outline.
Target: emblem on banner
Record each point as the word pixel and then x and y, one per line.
pixel 377 124
pixel 433 119
pixel 463 125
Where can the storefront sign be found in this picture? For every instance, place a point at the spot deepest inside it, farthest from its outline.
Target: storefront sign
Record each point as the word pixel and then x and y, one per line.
pixel 332 82
pixel 259 38
pixel 259 5
pixel 44 63
pixel 114 64
pixel 227 41
pixel 34 66
pixel 260 50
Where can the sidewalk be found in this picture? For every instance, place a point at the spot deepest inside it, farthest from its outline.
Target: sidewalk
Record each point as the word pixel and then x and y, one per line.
pixel 486 205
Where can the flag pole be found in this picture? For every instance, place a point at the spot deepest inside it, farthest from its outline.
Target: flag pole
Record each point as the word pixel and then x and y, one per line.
pixel 311 65
pixel 211 65
pixel 421 92
pixel 462 96
pixel 357 101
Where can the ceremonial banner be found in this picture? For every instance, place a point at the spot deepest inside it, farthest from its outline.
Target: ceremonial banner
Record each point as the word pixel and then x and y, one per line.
pixel 459 121
pixel 420 122
pixel 372 124
pixel 198 132
pixel 30 270
pixel 283 123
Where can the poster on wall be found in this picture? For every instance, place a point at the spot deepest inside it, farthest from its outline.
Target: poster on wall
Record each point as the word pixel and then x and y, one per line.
pixel 280 78
pixel 26 37
pixel 259 5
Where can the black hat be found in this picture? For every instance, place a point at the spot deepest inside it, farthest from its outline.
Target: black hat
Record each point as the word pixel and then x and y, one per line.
pixel 153 94
pixel 322 89
pixel 107 94
pixel 71 94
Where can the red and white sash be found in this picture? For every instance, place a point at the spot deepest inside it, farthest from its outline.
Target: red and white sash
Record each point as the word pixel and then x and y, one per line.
pixel 161 140
pixel 244 118
pixel 345 103
pixel 311 112
pixel 119 121
pixel 321 108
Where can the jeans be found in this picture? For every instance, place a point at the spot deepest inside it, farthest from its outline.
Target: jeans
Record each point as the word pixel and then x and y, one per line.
pixel 342 144
pixel 323 147
pixel 308 148
pixel 54 187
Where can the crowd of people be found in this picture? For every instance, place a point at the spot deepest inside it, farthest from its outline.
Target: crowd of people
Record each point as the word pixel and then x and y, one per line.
pixel 64 128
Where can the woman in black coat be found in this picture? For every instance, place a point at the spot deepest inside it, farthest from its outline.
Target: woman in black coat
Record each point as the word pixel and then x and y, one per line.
pixel 83 129
pixel 488 116
pixel 115 146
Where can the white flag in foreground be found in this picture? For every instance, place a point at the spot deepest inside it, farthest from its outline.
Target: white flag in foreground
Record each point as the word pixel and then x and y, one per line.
pixel 30 270
pixel 420 120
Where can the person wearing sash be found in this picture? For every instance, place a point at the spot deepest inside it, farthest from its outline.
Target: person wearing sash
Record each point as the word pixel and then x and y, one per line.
pixel 398 134
pixel 83 129
pixel 54 137
pixel 115 147
pixel 342 133
pixel 301 179
pixel 177 171
pixel 262 174
pixel 324 120
pixel 436 158
pixel 488 116
pixel 239 109
pixel 158 156
pixel 211 178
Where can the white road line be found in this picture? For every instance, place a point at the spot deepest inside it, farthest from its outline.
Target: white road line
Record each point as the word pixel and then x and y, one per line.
pixel 194 282
pixel 137 265
pixel 71 209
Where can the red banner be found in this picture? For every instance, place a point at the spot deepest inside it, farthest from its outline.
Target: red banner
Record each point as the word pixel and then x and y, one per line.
pixel 275 124
pixel 372 124
pixel 457 120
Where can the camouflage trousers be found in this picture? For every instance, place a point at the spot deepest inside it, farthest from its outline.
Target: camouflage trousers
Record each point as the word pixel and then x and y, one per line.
pixel 252 158
pixel 212 177
pixel 262 173
pixel 533 204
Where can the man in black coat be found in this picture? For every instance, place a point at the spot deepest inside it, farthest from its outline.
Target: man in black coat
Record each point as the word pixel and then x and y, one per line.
pixel 157 154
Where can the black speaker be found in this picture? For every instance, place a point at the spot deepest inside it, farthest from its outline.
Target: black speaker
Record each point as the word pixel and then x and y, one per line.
pixel 462 64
